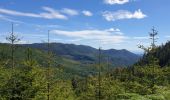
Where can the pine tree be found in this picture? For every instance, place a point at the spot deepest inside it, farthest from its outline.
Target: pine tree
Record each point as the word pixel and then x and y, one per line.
pixel 99 75
pixel 13 39
pixel 151 51
pixel 50 62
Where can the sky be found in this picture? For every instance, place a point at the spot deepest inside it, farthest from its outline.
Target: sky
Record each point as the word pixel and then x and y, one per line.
pixel 110 24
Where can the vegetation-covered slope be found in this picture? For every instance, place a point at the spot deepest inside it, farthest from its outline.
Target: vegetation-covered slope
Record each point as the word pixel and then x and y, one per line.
pixel 32 78
pixel 71 67
pixel 86 54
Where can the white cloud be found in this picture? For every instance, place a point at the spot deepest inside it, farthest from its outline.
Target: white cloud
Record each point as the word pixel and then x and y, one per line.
pixel 52 14
pixel 114 30
pixel 22 42
pixel 87 13
pixel 111 2
pixel 49 14
pixel 16 13
pixel 5 18
pixel 75 40
pixel 104 36
pixel 46 26
pixel 141 37
pixel 68 11
pixel 168 36
pixel 123 14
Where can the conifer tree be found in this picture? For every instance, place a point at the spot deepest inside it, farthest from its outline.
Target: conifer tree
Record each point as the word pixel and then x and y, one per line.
pixel 48 69
pixel 12 39
pixel 108 66
pixel 99 74
pixel 151 50
pixel 29 58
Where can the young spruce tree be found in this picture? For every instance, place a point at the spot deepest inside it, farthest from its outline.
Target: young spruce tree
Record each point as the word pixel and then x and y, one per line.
pixel 151 51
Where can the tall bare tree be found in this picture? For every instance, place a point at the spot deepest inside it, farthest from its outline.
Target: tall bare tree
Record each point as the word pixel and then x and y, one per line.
pixel 151 49
pixel 48 69
pixel 12 38
pixel 99 74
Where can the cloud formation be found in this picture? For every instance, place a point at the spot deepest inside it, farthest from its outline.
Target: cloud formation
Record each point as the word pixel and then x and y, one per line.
pixel 123 14
pixel 168 36
pixel 68 11
pixel 87 13
pixel 112 2
pixel 49 13
pixel 141 37
pixel 5 18
pixel 104 36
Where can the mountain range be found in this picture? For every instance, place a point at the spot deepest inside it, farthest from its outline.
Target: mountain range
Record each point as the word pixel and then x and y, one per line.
pixel 87 54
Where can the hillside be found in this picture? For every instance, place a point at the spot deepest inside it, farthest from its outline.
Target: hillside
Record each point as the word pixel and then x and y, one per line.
pixel 66 81
pixel 87 54
pixel 72 59
pixel 69 67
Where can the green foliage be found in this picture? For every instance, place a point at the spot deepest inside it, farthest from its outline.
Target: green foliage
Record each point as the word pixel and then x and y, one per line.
pixel 162 54
pixel 62 90
pixel 23 83
pixel 86 54
pixel 156 97
pixel 130 96
pixel 68 81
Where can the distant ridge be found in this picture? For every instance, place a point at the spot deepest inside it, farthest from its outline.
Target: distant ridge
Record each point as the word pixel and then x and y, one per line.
pixel 87 54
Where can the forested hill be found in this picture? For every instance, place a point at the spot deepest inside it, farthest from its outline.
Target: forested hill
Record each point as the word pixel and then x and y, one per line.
pixel 72 58
pixel 162 53
pixel 87 54
pixel 70 67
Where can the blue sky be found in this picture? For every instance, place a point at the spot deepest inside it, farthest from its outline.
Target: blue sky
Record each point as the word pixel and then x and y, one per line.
pixel 118 24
